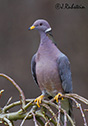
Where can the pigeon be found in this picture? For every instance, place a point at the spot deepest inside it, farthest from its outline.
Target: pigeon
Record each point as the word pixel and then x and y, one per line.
pixel 50 67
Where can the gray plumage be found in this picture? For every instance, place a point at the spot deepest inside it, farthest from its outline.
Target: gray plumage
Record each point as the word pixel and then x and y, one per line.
pixel 65 73
pixel 50 67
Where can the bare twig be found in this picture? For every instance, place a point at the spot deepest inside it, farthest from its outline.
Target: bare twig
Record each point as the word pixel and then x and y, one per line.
pixel 65 118
pixel 81 110
pixel 29 101
pixel 62 110
pixel 7 121
pixel 25 107
pixel 76 96
pixel 70 119
pixel 50 110
pixel 59 112
pixel 34 119
pixel 52 113
pixel 82 113
pixel 8 102
pixel 17 87
pixel 1 92
pixel 45 114
pixel 24 119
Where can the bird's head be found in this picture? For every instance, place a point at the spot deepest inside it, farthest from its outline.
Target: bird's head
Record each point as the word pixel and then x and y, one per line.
pixel 41 25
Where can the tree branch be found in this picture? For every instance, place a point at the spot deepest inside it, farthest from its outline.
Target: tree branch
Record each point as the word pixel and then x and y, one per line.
pixel 48 113
pixel 16 86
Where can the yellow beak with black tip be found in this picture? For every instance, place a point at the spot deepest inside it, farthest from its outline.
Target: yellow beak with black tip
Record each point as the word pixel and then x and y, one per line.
pixel 31 28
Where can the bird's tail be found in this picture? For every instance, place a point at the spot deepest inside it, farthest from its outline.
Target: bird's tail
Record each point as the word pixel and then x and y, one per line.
pixel 66 104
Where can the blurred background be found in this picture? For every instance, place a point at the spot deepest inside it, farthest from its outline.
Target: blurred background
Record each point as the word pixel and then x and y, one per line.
pixel 18 45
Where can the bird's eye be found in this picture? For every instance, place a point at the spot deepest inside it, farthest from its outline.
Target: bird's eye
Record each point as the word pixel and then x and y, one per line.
pixel 40 24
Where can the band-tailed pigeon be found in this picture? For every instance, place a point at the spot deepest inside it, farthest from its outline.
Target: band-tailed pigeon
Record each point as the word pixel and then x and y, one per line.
pixel 50 67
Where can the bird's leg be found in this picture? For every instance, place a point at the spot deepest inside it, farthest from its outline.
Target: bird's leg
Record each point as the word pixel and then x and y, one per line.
pixel 39 99
pixel 57 97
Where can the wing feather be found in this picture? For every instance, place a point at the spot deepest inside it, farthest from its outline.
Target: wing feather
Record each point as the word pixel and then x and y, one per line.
pixel 65 73
pixel 33 69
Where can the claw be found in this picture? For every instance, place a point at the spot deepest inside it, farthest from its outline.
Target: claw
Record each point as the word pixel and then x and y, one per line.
pixel 57 96
pixel 39 99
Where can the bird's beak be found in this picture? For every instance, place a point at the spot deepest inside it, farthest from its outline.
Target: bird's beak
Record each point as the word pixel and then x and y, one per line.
pixel 31 28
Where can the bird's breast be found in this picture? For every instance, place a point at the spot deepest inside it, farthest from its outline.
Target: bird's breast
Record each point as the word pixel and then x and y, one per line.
pixel 48 76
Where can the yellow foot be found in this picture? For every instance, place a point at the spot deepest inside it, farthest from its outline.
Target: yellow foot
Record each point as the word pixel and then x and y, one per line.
pixel 58 96
pixel 39 99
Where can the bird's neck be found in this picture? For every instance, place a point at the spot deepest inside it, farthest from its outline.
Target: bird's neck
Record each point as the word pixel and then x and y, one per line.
pixel 45 38
pixel 47 45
